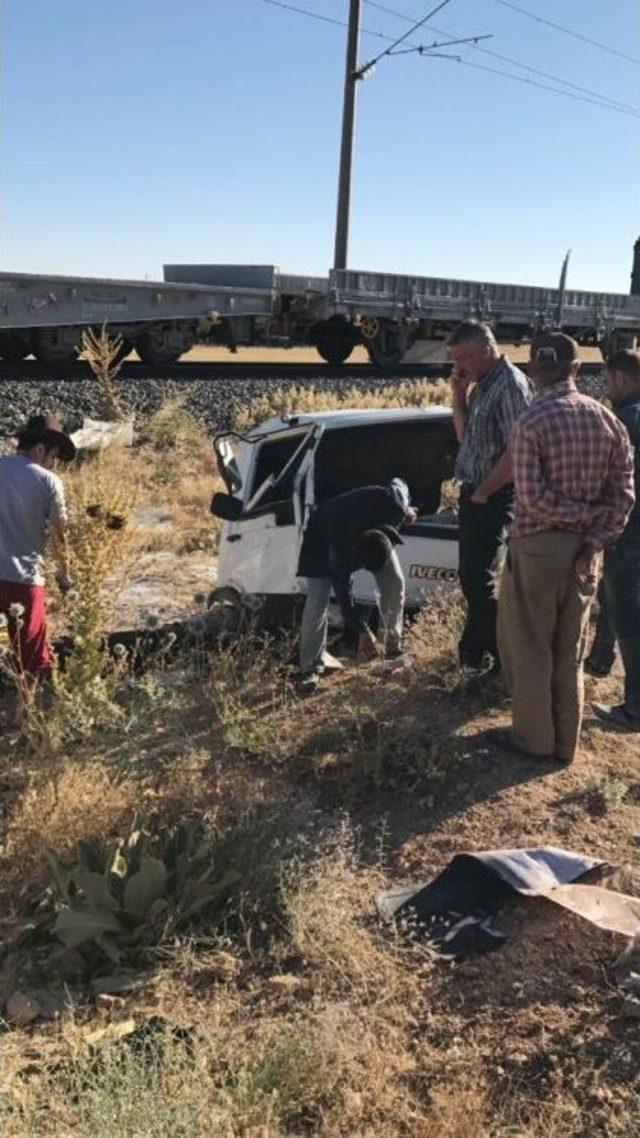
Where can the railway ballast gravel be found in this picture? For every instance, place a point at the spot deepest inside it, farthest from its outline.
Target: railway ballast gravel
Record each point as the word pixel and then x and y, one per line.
pixel 214 404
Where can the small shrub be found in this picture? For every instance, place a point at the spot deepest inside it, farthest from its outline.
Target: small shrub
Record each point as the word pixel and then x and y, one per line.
pixel 173 429
pixel 610 793
pixel 247 686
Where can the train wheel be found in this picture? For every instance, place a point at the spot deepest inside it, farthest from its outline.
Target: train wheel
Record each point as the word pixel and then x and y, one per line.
pixel 155 349
pixel 14 347
pixel 55 347
pixel 334 352
pixel 388 346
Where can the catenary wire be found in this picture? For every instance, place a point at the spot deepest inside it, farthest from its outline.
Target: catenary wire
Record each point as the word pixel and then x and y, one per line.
pixel 604 99
pixel 598 101
pixel 568 31
pixel 335 21
pixel 546 87
pixel 318 16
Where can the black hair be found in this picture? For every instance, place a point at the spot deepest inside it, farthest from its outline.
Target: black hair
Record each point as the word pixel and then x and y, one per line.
pixel 27 440
pixel 627 361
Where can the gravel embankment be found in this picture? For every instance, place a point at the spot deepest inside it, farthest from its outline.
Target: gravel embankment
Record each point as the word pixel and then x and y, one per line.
pixel 213 403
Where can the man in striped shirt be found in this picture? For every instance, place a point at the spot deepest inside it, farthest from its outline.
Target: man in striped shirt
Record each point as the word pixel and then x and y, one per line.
pixel 489 395
pixel 573 474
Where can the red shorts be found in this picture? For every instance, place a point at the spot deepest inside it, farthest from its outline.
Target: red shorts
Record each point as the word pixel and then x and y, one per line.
pixel 28 632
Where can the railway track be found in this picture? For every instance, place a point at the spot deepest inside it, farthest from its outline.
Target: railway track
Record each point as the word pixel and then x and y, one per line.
pixel 30 371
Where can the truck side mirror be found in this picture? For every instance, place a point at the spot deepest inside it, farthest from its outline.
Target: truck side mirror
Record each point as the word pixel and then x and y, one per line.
pixel 227 507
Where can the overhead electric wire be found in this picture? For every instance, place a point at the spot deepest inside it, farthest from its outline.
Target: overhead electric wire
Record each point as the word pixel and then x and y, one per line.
pixel 597 100
pixel 593 96
pixel 547 87
pixel 568 31
pixel 339 23
pixel 318 16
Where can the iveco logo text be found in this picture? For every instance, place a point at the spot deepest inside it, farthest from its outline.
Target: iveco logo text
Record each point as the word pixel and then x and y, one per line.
pixel 433 573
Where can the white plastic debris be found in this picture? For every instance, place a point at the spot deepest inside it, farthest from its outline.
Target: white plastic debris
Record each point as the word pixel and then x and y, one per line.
pixel 98 434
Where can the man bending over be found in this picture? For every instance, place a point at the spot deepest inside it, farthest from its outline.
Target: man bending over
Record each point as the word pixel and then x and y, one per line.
pixel 349 532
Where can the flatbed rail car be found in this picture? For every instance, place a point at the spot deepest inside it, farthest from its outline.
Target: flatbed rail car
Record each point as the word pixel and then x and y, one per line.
pixel 249 305
pixel 45 315
pixel 389 313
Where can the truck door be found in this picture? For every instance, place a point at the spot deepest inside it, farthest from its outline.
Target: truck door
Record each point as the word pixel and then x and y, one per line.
pixel 260 548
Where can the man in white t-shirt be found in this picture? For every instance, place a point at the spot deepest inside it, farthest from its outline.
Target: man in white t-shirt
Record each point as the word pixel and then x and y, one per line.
pixel 32 509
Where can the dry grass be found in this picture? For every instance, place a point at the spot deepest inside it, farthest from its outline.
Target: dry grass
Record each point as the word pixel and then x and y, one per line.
pixel 291 399
pixel 74 801
pixel 180 472
pixel 295 1013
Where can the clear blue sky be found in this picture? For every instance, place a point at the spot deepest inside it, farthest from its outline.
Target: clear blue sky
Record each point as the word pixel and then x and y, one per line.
pixel 142 131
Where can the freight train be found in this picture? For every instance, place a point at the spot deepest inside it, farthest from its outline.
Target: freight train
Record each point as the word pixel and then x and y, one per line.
pixel 246 305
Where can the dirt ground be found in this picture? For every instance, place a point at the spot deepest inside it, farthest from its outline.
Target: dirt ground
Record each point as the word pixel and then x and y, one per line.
pixel 518 354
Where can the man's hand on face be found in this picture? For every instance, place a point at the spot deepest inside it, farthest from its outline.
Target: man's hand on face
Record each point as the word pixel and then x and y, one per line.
pixel 460 382
pixel 368 646
pixel 586 568
pixel 64 582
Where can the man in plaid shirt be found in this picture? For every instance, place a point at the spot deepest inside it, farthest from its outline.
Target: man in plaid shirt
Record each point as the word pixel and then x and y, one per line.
pixel 489 394
pixel 573 474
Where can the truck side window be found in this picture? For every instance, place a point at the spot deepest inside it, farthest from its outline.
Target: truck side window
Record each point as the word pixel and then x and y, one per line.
pixel 272 458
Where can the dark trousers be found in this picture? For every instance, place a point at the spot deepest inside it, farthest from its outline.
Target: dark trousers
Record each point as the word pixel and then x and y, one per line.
pixel 602 653
pixel 482 529
pixel 622 585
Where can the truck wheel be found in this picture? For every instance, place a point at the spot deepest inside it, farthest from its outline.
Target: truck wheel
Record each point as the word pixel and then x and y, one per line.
pixel 389 346
pixel 56 347
pixel 334 352
pixel 14 347
pixel 153 348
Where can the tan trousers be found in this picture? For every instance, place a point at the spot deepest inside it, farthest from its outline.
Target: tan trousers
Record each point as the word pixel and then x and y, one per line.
pixel 543 617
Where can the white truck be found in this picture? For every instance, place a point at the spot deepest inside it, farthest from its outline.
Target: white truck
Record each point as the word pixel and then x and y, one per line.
pixel 280 471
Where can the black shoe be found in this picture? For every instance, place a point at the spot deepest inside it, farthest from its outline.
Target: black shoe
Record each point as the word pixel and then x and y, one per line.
pixel 617 716
pixel 395 654
pixel 503 739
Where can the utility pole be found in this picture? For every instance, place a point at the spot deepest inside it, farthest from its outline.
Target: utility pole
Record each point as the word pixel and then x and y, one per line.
pixel 351 80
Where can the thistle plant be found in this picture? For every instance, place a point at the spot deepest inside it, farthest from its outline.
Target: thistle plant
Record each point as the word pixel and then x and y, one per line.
pixel 100 538
pixel 104 354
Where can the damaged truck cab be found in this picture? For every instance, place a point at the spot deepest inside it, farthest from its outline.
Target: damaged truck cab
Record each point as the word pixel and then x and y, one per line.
pixel 279 472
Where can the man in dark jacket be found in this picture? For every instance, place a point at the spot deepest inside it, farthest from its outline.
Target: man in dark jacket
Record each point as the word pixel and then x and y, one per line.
pixel 622 560
pixel 349 532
